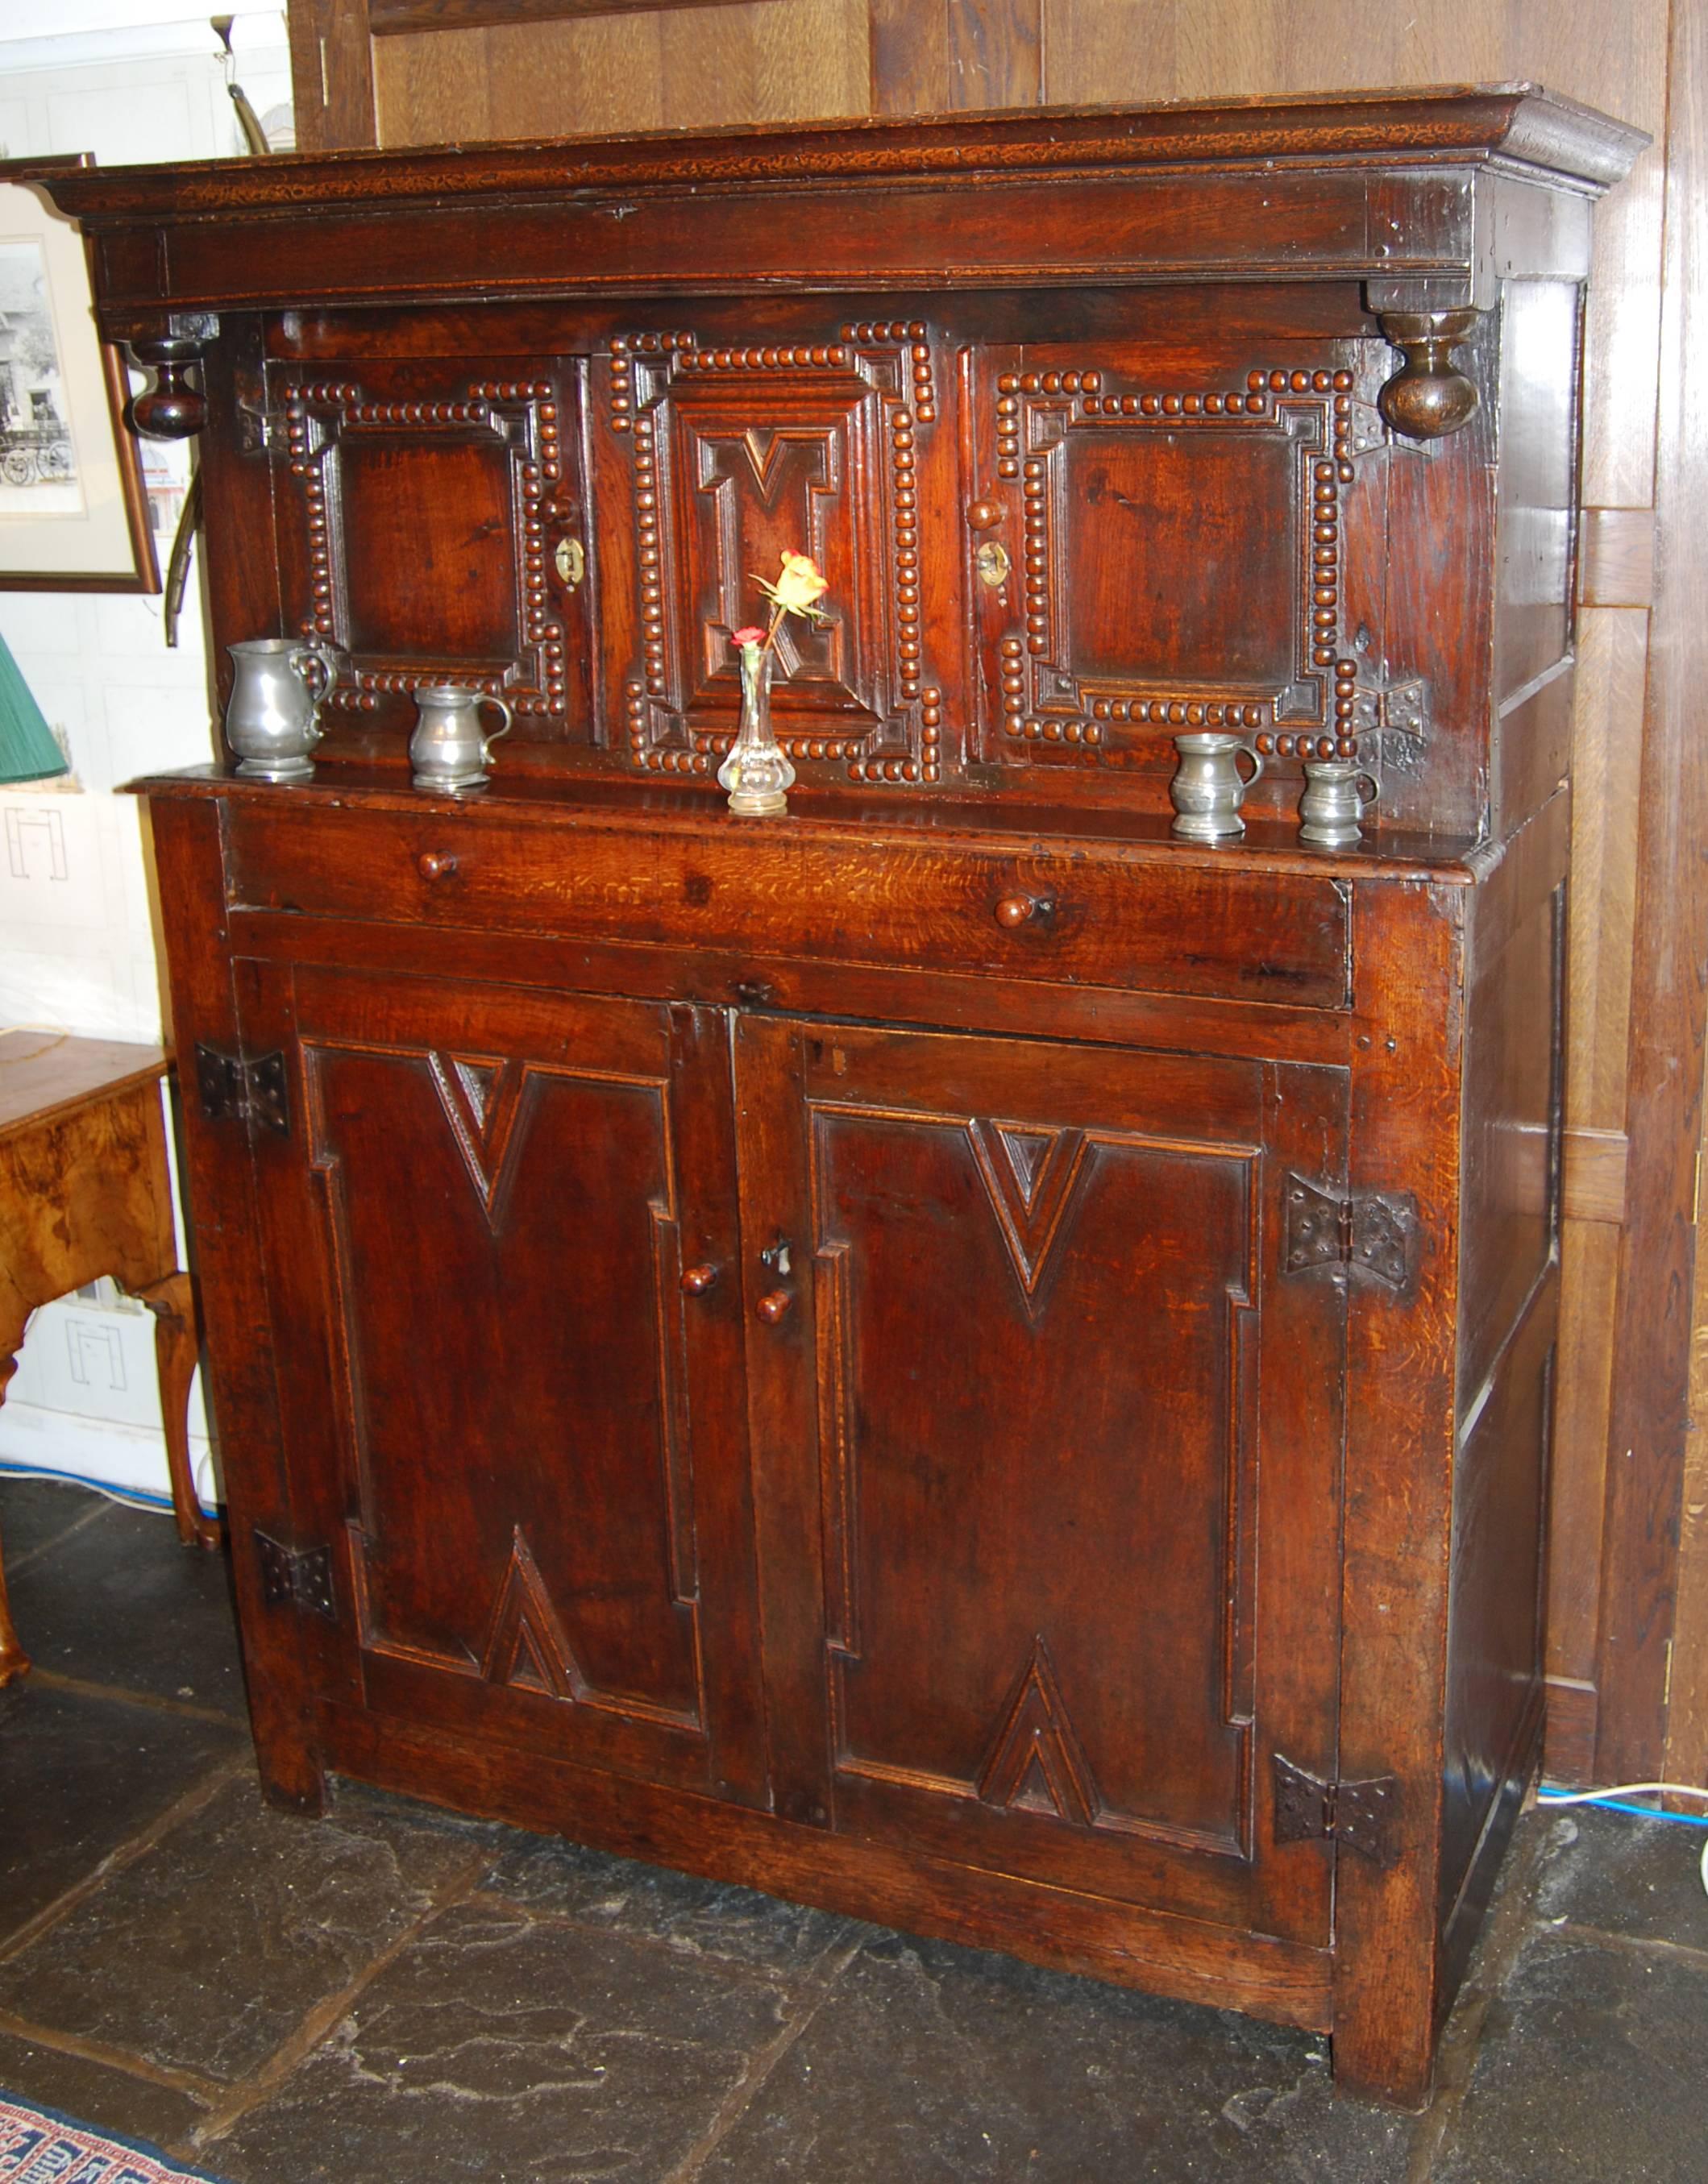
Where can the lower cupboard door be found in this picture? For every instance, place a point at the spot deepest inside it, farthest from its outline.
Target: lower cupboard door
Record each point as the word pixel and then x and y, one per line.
pixel 518 1429
pixel 1047 1457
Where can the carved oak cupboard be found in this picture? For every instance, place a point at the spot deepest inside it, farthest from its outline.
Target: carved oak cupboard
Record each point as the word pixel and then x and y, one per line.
pixel 949 1354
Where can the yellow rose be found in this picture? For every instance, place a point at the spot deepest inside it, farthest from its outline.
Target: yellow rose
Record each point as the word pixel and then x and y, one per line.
pixel 798 585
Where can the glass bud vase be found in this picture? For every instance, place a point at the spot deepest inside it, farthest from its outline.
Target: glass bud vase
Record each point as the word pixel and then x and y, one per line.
pixel 756 772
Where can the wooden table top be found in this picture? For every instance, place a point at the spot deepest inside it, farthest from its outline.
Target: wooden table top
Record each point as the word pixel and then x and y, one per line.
pixel 45 1075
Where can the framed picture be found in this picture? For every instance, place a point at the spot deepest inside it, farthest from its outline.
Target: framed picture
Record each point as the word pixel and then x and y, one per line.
pixel 73 516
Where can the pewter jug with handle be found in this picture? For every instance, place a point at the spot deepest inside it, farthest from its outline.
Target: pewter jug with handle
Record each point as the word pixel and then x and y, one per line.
pixel 1209 788
pixel 1336 792
pixel 447 751
pixel 272 721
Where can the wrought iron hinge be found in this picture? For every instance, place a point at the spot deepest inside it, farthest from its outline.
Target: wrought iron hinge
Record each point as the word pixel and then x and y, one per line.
pixel 1370 1231
pixel 1361 1815
pixel 297 1577
pixel 1392 722
pixel 260 432
pixel 249 1090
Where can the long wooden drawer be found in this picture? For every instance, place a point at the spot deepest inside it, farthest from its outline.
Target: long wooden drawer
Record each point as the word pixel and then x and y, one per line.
pixel 1058 914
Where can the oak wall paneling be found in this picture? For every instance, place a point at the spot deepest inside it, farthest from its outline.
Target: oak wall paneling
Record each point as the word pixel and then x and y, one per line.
pixel 1635 1027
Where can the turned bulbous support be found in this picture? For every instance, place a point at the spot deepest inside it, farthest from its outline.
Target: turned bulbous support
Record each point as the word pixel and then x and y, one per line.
pixel 1429 397
pixel 171 409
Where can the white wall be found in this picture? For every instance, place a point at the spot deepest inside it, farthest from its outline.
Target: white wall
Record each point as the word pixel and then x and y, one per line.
pixel 130 80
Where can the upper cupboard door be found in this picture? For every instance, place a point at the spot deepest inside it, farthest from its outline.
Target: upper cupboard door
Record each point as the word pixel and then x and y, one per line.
pixel 511 1375
pixel 1198 529
pixel 1049 1469
pixel 716 454
pixel 431 526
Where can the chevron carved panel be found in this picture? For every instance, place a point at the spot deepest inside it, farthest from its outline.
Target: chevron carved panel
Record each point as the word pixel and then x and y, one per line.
pixel 739 454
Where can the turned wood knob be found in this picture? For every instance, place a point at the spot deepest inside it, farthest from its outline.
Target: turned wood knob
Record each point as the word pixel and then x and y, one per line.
pixel 436 864
pixel 983 515
pixel 774 1306
pixel 696 1280
pixel 1014 910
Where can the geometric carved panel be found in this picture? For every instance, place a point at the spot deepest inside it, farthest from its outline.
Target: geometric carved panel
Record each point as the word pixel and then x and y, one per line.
pixel 1116 1442
pixel 425 532
pixel 739 453
pixel 1181 563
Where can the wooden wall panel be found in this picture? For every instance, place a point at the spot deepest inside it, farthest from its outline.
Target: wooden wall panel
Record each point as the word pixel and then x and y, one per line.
pixel 939 56
pixel 691 67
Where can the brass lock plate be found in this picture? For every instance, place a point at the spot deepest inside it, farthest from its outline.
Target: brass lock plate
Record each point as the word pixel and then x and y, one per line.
pixel 992 564
pixel 571 561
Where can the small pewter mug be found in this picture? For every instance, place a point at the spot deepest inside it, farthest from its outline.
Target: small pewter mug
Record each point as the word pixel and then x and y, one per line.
pixel 447 751
pixel 272 721
pixel 1336 792
pixel 1209 788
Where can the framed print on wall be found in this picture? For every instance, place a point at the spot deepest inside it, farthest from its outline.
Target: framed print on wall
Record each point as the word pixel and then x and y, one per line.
pixel 74 516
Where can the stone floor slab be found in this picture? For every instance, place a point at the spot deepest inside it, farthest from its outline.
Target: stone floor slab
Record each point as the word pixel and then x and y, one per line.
pixel 206 1953
pixel 931 2064
pixel 497 2048
pixel 1591 2068
pixel 651 1904
pixel 93 2093
pixel 121 1602
pixel 34 1512
pixel 1624 1874
pixel 80 1777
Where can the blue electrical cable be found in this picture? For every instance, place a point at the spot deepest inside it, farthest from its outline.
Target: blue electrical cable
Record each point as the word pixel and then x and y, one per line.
pixel 1618 1805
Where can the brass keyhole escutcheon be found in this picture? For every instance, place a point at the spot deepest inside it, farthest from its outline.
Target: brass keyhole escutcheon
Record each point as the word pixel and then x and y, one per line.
pixel 993 563
pixel 571 559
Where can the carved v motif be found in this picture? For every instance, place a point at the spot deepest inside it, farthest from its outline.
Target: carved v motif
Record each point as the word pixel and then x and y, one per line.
pixel 1032 1176
pixel 767 454
pixel 1037 1764
pixel 482 1095
pixel 526 1645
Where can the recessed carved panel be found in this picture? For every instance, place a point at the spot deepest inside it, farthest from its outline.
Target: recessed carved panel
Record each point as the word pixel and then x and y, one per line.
pixel 1181 564
pixel 1122 1266
pixel 738 454
pixel 425 528
pixel 555 1559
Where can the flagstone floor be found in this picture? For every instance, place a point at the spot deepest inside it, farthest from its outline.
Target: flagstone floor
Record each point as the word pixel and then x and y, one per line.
pixel 390 1993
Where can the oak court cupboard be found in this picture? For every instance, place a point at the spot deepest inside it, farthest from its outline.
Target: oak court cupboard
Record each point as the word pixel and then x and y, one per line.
pixel 949 1354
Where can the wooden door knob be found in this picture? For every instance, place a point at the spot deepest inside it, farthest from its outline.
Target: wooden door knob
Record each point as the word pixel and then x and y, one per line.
pixel 1015 910
pixel 436 864
pixel 696 1280
pixel 774 1306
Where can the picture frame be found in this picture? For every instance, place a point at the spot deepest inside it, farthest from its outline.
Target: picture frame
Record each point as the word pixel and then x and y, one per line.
pixel 74 513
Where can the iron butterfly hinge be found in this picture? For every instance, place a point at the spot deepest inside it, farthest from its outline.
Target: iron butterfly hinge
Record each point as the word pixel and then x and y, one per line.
pixel 1361 1815
pixel 297 1577
pixel 1373 1233
pixel 249 1090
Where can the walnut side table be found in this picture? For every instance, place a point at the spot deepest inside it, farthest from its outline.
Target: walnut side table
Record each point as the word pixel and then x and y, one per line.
pixel 85 1190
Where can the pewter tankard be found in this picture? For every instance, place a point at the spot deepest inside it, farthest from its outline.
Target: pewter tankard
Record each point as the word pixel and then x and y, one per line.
pixel 273 720
pixel 1209 788
pixel 447 751
pixel 1336 792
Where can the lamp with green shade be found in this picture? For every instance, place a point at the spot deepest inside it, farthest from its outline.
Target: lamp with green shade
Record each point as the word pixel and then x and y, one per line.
pixel 28 750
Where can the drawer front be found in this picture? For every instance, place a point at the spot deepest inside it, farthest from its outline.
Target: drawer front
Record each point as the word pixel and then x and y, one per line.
pixel 1051 916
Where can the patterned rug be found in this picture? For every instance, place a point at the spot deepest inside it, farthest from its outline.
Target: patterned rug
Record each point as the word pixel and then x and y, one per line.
pixel 38 2146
